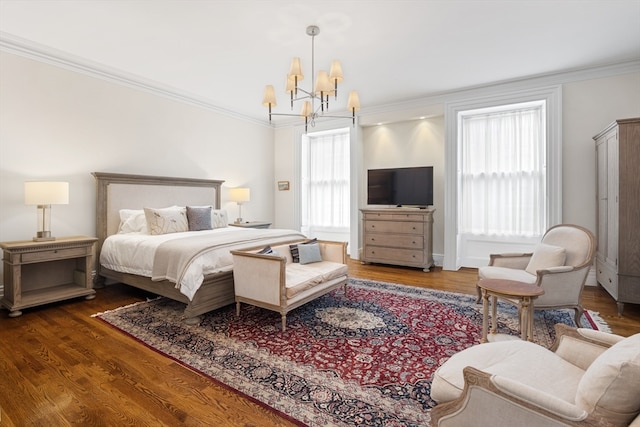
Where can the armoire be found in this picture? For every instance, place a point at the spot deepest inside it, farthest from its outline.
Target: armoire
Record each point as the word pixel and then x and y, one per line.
pixel 618 210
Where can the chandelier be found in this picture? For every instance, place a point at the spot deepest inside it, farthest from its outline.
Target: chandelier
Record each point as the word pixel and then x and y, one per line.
pixel 322 87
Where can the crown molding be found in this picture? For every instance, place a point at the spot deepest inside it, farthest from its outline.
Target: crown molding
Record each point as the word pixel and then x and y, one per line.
pixel 411 109
pixel 390 112
pixel 28 49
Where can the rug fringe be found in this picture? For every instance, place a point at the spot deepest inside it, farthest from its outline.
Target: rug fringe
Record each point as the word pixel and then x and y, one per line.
pixel 126 306
pixel 597 321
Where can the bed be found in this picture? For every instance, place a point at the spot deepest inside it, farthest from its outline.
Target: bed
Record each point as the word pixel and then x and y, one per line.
pixel 118 192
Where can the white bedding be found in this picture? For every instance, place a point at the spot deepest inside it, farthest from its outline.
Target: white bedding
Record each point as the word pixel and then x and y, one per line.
pixel 134 253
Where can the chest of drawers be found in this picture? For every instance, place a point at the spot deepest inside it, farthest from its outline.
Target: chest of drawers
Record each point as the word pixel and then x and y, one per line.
pixel 398 236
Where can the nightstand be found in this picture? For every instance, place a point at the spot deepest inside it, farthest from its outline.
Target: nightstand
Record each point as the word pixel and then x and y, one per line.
pixel 254 224
pixel 37 273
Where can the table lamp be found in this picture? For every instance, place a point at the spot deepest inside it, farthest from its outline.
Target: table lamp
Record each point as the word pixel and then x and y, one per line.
pixel 239 195
pixel 45 194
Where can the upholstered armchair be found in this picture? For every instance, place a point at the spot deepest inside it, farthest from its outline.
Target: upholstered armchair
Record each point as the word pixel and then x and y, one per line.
pixel 559 264
pixel 588 378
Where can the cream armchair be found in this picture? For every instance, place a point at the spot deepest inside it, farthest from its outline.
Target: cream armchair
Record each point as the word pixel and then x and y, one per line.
pixel 559 264
pixel 589 378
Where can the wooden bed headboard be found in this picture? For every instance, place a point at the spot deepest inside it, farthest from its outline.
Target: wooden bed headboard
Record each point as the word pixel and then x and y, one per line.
pixel 116 191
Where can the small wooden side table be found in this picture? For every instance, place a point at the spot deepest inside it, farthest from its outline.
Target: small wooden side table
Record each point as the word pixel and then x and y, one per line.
pixel 526 293
pixel 37 273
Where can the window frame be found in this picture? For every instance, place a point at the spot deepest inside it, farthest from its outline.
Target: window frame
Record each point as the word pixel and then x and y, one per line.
pixel 552 95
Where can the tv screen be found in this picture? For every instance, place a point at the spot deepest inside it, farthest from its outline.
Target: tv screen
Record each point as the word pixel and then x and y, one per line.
pixel 400 186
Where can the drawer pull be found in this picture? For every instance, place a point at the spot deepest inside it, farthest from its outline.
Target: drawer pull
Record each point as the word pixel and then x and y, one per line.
pixel 609 280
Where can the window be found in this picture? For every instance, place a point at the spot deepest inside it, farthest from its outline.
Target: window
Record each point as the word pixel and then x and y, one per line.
pixel 502 171
pixel 325 189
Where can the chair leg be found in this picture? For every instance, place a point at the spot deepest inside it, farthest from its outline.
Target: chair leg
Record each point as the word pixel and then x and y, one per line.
pixel 284 322
pixel 237 308
pixel 579 311
pixel 479 297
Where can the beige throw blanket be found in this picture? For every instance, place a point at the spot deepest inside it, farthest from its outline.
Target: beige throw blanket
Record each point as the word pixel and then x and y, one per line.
pixel 173 258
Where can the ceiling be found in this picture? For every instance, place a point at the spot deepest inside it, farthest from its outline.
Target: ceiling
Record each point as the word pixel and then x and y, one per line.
pixel 223 53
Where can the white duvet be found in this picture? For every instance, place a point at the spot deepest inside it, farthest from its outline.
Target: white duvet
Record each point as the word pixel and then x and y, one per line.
pixel 134 253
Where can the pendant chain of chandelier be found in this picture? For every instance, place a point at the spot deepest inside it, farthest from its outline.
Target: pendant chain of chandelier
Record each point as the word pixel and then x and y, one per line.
pixel 323 87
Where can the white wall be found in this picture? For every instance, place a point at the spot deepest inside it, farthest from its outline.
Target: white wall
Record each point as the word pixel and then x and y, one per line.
pixel 588 107
pixel 411 143
pixel 57 124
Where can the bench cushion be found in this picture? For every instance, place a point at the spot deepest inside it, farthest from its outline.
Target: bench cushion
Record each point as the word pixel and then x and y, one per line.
pixel 300 277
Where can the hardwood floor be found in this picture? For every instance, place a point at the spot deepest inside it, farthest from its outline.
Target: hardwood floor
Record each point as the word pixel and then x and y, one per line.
pixel 59 366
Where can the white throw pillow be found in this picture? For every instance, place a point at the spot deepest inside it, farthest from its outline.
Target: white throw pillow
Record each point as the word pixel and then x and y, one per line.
pixel 610 387
pixel 219 218
pixel 132 221
pixel 166 220
pixel 545 256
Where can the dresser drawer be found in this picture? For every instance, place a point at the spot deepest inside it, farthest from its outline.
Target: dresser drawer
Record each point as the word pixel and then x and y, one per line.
pixel 394 227
pixel 54 254
pixel 384 254
pixel 399 216
pixel 394 240
pixel 608 278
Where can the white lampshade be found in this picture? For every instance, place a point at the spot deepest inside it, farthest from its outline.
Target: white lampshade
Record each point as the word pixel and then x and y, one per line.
pixel 46 193
pixel 335 73
pixel 306 109
pixel 269 98
pixel 322 83
pixel 239 195
pixel 354 101
pixel 296 69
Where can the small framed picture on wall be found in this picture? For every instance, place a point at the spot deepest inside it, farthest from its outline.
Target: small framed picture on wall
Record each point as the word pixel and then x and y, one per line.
pixel 283 185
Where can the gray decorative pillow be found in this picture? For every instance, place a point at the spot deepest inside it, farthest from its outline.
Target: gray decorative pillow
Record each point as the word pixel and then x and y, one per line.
pixel 267 250
pixel 199 218
pixel 294 249
pixel 309 253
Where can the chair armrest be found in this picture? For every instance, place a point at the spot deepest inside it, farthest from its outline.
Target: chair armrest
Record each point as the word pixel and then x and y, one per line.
pixel 581 346
pixel 489 400
pixel 510 260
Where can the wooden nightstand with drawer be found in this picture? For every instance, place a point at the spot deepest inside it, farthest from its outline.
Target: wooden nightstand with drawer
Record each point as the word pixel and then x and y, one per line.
pixel 37 273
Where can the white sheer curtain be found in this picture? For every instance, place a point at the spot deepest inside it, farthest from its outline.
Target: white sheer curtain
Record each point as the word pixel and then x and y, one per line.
pixel 325 182
pixel 502 176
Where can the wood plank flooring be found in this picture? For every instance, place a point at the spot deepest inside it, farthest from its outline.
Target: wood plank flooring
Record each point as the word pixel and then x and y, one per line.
pixel 60 367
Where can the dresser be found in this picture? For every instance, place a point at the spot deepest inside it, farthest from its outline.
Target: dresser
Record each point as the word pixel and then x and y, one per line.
pixel 398 236
pixel 618 210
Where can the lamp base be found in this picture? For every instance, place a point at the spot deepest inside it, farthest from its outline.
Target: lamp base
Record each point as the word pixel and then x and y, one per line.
pixel 238 221
pixel 43 236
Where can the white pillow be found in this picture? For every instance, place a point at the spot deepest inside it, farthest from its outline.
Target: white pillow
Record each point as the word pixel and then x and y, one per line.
pixel 166 220
pixel 610 387
pixel 132 221
pixel 545 256
pixel 219 218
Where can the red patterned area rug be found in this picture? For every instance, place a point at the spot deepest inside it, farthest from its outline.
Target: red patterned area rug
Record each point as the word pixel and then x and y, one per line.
pixel 364 359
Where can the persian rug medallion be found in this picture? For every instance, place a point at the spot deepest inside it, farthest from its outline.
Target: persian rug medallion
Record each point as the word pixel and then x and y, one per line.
pixel 361 359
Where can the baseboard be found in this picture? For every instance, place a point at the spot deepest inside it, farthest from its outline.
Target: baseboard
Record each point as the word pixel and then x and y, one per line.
pixel 591 278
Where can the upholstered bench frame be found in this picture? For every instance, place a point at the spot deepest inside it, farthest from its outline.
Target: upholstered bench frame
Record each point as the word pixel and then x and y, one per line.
pixel 275 282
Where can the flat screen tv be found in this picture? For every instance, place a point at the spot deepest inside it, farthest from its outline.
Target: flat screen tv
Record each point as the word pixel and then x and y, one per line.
pixel 400 186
